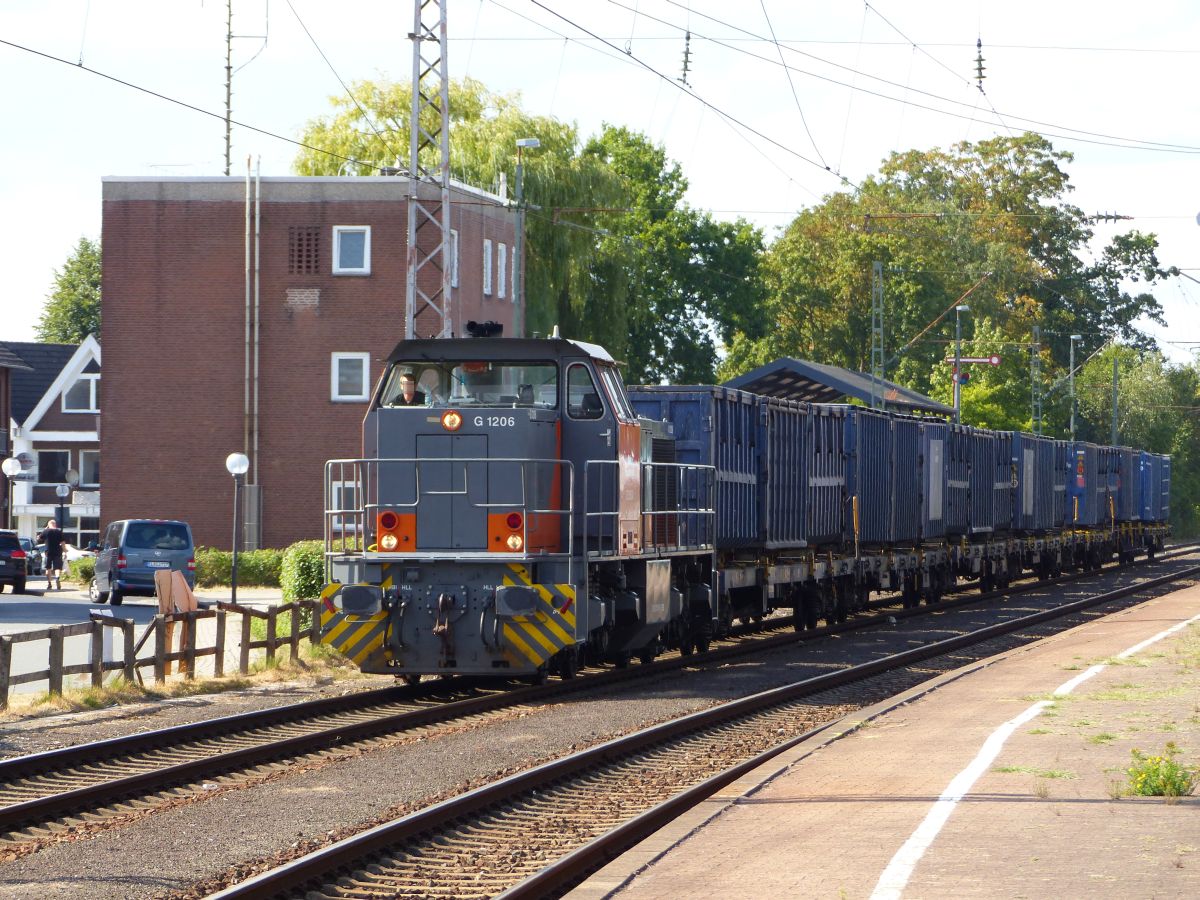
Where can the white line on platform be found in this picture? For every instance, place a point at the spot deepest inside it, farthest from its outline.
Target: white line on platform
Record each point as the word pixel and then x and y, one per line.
pixel 895 877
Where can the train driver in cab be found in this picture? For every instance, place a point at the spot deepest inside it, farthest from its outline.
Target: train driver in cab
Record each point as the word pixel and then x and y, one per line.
pixel 409 395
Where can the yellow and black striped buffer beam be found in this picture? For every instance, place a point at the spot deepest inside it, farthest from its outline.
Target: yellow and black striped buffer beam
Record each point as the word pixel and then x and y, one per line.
pixel 533 638
pixel 355 637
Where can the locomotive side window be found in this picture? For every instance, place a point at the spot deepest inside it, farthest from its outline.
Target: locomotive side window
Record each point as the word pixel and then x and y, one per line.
pixel 616 394
pixel 476 383
pixel 583 399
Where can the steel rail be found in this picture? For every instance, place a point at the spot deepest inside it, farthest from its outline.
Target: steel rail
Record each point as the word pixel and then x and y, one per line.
pixel 344 854
pixel 107 792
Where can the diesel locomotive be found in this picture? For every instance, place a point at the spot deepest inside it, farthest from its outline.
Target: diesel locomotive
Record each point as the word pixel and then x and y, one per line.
pixel 528 513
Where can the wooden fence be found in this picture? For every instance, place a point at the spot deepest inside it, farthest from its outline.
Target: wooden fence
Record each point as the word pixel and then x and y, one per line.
pixel 160 635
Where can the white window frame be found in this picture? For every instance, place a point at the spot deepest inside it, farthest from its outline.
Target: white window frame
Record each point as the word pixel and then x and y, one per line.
pixel 83 468
pixel 334 363
pixel 502 271
pixel 487 267
pixel 94 378
pixel 453 257
pixel 338 231
pixel 337 522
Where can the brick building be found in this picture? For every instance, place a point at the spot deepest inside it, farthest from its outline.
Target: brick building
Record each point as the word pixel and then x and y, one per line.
pixel 181 293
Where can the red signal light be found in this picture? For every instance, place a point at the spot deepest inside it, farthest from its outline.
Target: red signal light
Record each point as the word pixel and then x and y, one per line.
pixel 388 520
pixel 514 521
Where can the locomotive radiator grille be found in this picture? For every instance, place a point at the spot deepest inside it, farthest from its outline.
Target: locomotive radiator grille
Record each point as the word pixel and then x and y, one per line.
pixel 534 637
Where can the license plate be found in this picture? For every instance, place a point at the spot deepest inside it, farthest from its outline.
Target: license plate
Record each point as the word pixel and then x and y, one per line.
pixel 158 565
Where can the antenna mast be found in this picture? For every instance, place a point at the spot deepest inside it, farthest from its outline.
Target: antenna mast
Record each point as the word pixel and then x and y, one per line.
pixel 427 276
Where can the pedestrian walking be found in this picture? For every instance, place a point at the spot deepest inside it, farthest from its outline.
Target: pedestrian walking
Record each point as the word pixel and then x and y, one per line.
pixel 53 538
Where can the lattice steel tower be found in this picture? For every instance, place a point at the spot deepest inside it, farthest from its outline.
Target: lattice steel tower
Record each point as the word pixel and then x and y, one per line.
pixel 877 373
pixel 427 273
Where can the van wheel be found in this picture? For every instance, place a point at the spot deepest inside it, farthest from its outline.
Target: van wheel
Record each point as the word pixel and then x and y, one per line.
pixel 115 597
pixel 95 594
pixel 19 586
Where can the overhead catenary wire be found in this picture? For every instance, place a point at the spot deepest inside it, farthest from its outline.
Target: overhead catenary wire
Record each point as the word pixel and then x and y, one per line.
pixel 792 85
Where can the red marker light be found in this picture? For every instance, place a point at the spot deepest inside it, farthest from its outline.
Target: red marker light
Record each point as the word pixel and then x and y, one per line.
pixel 514 521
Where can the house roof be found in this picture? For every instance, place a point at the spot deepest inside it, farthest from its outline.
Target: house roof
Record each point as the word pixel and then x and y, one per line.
pixel 800 379
pixel 9 359
pixel 44 362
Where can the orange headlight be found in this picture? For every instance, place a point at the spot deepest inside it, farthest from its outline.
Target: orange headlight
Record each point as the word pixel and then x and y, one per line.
pixel 388 542
pixel 452 420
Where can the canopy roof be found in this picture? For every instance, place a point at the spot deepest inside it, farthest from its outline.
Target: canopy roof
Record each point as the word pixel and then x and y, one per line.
pixel 799 379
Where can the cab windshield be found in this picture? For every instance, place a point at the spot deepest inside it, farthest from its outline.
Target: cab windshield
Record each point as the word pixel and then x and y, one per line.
pixel 472 383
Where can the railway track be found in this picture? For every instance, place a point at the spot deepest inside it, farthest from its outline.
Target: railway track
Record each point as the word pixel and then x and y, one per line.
pixel 88 785
pixel 537 833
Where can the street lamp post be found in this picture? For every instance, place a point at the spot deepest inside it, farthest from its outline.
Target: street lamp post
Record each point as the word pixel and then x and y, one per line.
pixel 70 480
pixel 11 468
pixel 519 242
pixel 237 465
pixel 1074 338
pixel 958 311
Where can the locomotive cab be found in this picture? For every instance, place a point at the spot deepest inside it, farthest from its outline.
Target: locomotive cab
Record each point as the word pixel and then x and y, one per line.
pixel 496 521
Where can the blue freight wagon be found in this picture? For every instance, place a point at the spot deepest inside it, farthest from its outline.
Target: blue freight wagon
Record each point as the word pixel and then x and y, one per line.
pixel 828 492
pixel 720 427
pixel 1034 508
pixel 1063 473
pixel 785 480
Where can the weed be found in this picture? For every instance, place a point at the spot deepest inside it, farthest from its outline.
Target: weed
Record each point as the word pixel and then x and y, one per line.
pixel 1040 773
pixel 1161 775
pixel 1040 731
pixel 1041 790
pixel 1116 788
pixel 1102 738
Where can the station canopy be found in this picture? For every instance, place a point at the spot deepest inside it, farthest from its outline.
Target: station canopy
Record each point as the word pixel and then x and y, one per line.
pixel 799 379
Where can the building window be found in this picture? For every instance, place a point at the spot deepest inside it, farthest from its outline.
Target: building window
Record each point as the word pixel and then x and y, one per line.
pixel 487 268
pixel 349 381
pixel 351 249
pixel 53 465
pixel 89 468
pixel 81 396
pixel 304 250
pixel 453 257
pixel 501 270
pixel 344 517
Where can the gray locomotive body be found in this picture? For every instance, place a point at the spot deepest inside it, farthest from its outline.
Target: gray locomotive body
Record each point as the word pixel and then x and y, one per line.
pixel 514 518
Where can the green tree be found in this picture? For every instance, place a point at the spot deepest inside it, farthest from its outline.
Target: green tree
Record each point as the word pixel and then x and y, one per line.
pixel 72 310
pixel 691 279
pixel 988 222
pixel 569 282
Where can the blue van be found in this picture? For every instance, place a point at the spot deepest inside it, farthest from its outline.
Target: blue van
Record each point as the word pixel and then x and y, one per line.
pixel 134 550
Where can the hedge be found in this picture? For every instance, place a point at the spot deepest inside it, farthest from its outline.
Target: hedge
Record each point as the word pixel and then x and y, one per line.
pixel 256 568
pixel 303 573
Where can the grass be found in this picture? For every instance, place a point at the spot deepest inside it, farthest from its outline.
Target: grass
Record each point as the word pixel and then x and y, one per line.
pixel 314 664
pixel 1161 775
pixel 1132 693
pixel 1102 738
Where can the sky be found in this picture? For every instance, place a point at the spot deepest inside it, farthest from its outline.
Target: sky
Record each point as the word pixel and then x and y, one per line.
pixel 754 138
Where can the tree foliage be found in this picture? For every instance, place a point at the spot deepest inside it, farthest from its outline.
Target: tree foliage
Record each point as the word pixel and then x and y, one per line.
pixel 72 310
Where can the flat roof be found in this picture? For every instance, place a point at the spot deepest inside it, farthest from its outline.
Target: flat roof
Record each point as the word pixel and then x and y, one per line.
pixel 800 379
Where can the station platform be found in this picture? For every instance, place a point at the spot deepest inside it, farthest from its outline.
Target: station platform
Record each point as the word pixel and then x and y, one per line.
pixel 1006 778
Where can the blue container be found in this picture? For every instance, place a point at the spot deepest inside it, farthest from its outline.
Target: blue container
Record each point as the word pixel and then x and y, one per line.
pixel 1036 505
pixel 981 452
pixel 1004 482
pixel 720 427
pixel 1128 483
pixel 960 444
pixel 1085 490
pixel 785 479
pixel 1063 472
pixel 1154 487
pixel 827 498
pixel 935 476
pixel 882 477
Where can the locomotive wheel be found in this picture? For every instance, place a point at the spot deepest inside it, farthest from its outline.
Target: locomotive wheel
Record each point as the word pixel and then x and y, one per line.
pixel 646 655
pixel 568 666
pixel 412 680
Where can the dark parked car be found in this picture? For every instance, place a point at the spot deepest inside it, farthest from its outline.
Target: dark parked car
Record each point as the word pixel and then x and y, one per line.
pixel 134 550
pixel 12 562
pixel 35 562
